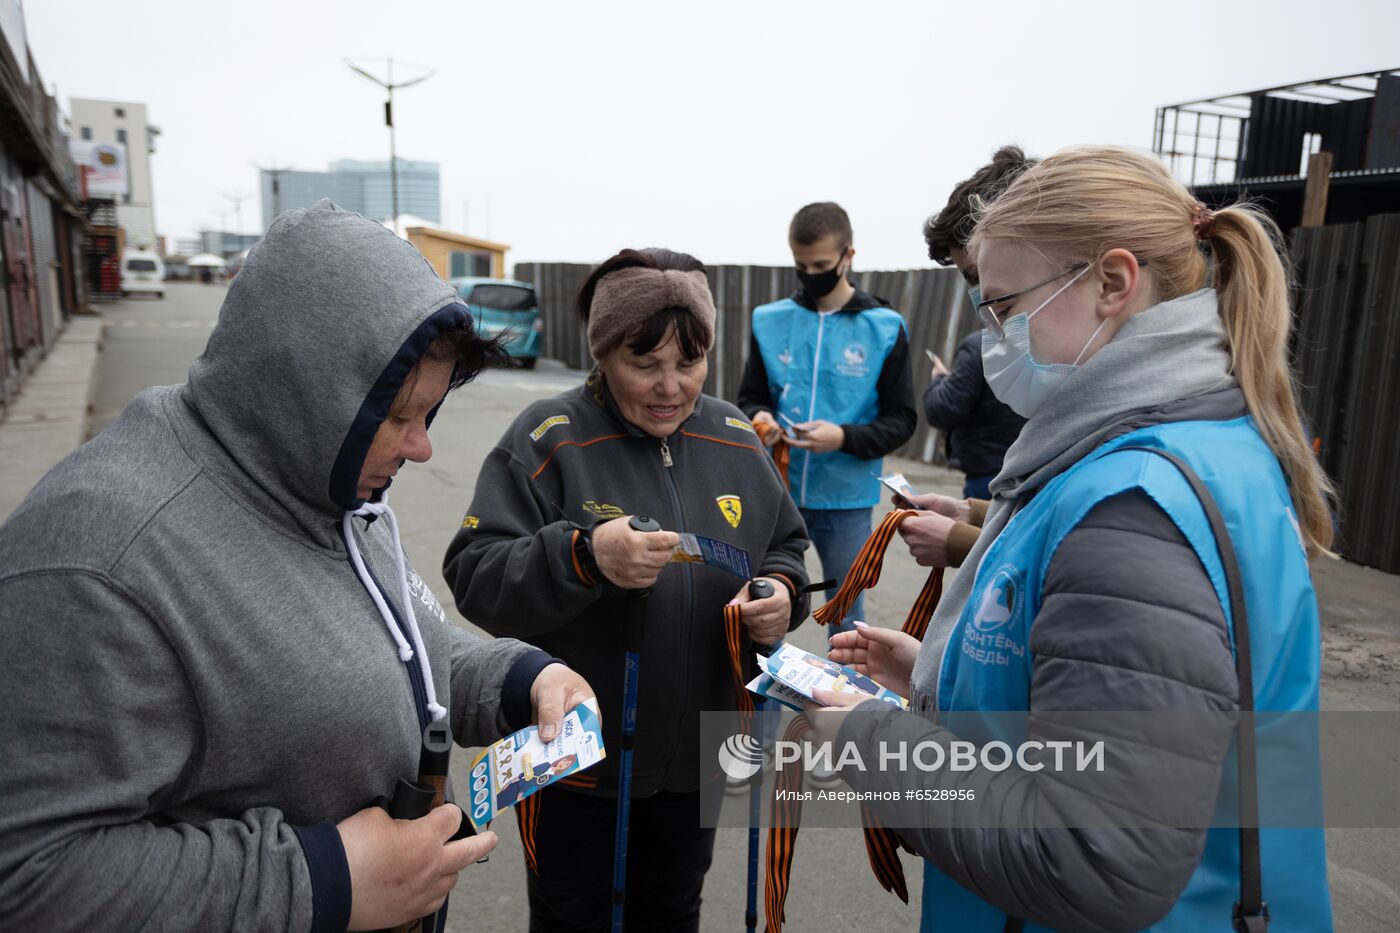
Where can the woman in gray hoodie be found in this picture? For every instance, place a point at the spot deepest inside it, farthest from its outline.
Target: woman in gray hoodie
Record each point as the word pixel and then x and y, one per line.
pixel 217 654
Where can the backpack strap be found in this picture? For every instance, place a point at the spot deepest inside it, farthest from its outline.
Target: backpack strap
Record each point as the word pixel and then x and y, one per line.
pixel 1250 913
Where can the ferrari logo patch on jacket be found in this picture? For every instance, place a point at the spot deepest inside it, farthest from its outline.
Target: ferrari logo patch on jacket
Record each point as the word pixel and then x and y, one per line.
pixel 733 509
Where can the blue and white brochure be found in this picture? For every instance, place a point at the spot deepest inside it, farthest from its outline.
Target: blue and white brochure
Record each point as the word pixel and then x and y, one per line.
pixel 898 484
pixel 712 552
pixel 520 764
pixel 792 676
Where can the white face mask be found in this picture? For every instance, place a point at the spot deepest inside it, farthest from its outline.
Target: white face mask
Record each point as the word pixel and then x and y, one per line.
pixel 1013 374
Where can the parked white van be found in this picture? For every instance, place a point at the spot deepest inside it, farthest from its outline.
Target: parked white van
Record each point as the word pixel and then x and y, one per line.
pixel 143 273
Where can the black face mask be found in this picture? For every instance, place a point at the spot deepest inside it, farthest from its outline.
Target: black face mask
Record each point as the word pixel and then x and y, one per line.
pixel 818 285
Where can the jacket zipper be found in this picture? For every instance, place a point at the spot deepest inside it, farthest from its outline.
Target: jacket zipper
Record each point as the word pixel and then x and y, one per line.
pixel 812 401
pixel 415 673
pixel 667 466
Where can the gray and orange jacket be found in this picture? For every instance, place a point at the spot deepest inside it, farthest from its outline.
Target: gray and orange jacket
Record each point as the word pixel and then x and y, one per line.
pixel 570 462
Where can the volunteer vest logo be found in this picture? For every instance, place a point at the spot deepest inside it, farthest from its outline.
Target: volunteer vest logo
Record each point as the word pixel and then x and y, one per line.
pixel 991 638
pixel 741 424
pixel 785 357
pixel 424 596
pixel 740 756
pixel 602 509
pixel 733 509
pixel 853 361
pixel 998 602
pixel 543 428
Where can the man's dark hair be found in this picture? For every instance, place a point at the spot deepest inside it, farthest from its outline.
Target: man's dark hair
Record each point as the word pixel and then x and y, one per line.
pixel 953 225
pixel 824 218
pixel 690 334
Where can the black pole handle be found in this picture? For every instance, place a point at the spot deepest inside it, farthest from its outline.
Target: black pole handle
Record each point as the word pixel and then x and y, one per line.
pixel 634 613
pixel 760 589
pixel 643 523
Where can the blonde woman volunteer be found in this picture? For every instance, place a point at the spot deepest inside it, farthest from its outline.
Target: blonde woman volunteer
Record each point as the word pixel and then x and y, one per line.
pixel 1121 314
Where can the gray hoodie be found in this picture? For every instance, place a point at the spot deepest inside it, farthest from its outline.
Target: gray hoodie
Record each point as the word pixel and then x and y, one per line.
pixel 198 684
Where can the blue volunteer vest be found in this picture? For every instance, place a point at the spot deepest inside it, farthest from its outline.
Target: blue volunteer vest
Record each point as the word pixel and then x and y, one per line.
pixel 826 367
pixel 987 664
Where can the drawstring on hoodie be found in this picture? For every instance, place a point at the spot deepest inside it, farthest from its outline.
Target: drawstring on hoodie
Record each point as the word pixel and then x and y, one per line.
pixel 406 651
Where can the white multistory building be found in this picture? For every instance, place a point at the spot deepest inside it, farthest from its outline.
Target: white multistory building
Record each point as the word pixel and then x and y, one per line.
pixel 124 124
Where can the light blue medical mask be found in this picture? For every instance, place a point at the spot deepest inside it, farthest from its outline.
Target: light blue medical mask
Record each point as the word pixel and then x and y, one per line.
pixel 1015 376
pixel 974 295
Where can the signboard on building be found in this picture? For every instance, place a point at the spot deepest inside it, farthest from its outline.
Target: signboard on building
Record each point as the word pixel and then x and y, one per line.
pixel 104 166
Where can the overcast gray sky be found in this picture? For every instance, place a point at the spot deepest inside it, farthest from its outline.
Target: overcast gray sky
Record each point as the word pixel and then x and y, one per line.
pixel 700 126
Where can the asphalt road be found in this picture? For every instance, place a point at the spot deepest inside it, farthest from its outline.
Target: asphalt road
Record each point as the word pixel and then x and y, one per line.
pixel 152 342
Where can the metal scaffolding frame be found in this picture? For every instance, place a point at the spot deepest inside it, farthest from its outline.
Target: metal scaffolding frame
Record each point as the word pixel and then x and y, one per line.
pixel 1203 141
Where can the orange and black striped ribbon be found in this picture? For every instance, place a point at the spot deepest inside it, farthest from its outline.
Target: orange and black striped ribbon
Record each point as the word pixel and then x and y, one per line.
pixel 527 817
pixel 782 453
pixel 734 640
pixel 881 845
pixel 782 832
pixel 865 573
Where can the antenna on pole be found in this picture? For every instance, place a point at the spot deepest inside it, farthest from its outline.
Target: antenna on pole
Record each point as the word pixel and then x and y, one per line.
pixel 238 197
pixel 390 86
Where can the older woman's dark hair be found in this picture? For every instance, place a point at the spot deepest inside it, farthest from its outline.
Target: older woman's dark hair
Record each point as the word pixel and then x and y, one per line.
pixel 952 226
pixel 690 335
pixel 468 352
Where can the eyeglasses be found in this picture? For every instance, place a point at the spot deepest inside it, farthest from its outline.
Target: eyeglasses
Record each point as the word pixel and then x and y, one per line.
pixel 989 317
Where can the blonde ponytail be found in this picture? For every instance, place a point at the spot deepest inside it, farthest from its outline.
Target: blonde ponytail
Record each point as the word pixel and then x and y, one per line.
pixel 1081 202
pixel 1252 284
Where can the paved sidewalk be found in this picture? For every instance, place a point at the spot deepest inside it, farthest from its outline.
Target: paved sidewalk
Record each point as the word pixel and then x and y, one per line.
pixel 49 418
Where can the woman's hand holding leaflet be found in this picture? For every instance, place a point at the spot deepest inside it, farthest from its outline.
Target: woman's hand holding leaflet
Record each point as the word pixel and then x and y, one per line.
pixel 884 655
pixel 959 510
pixel 629 558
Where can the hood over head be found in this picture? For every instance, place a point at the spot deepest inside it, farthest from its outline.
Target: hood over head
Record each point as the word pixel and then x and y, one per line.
pixel 320 328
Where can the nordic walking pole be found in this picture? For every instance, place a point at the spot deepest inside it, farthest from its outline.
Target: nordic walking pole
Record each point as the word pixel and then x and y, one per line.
pixel 758 589
pixel 634 616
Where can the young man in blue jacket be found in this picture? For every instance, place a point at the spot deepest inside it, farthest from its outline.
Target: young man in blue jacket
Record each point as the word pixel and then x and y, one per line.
pixel 833 363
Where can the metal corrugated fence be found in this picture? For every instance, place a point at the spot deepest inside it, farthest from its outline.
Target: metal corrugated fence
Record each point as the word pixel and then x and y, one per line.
pixel 1346 351
pixel 933 301
pixel 1347 357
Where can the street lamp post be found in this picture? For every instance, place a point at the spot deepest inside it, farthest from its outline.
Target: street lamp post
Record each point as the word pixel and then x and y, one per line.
pixel 223 236
pixel 238 197
pixel 387 83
